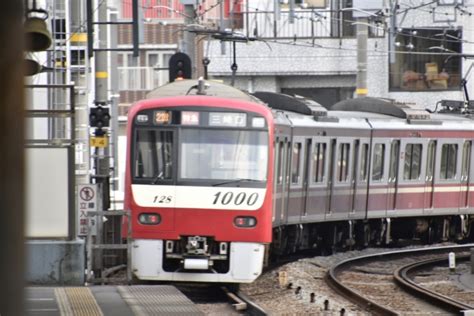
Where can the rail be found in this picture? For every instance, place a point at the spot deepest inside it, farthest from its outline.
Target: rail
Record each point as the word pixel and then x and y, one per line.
pixel 359 298
pixel 401 276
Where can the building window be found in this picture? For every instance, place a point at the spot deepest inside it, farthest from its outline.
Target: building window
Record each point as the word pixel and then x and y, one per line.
pixel 422 61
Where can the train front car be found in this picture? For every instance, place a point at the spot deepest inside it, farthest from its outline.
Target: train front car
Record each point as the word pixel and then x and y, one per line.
pixel 198 186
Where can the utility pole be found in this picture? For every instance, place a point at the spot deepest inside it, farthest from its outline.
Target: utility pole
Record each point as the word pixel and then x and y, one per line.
pixel 362 36
pixel 190 37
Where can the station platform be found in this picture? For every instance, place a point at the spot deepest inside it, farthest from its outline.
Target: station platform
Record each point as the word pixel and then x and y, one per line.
pixel 108 300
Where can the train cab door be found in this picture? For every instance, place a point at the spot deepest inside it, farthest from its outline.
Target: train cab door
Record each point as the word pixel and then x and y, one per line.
pixel 341 187
pixel 392 181
pixel 429 177
pixel 465 176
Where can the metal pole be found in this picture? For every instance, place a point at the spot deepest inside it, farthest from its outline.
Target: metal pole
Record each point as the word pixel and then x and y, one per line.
pixel 362 35
pixel 190 37
pixel 393 31
pixel 11 160
pixel 472 260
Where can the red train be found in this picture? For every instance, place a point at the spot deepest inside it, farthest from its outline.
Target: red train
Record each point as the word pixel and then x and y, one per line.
pixel 216 178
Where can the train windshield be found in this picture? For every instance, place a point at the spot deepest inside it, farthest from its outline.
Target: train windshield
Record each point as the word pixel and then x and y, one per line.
pixel 223 155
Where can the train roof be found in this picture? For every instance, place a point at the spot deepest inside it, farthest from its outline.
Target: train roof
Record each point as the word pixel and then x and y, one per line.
pixel 190 87
pixel 380 114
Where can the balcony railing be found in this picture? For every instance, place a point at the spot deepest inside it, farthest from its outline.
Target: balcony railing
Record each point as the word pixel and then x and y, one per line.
pixel 140 78
pixel 307 23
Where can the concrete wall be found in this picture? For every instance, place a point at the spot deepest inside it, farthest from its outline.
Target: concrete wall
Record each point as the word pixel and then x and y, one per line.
pixel 55 262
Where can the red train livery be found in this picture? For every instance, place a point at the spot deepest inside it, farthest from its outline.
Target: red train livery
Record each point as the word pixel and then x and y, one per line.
pixel 217 177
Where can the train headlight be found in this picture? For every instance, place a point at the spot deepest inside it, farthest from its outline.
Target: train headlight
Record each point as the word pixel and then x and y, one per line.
pixel 245 221
pixel 149 218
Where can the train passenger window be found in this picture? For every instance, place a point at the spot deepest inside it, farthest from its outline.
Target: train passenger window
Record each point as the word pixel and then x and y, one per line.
pixel 378 162
pixel 394 157
pixel 279 167
pixel 295 167
pixel 466 160
pixel 364 155
pixel 343 162
pixel 431 160
pixel 412 168
pixel 319 162
pixel 449 153
pixel 154 156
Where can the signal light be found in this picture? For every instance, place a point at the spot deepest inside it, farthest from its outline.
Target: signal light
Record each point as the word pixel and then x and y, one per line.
pixel 149 218
pixel 179 67
pixel 245 221
pixel 99 117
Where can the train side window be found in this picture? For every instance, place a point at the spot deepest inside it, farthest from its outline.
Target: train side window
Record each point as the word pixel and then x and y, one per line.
pixel 295 167
pixel 319 162
pixel 378 162
pixel 343 162
pixel 364 155
pixel 449 153
pixel 466 160
pixel 279 167
pixel 394 159
pixel 412 168
pixel 431 160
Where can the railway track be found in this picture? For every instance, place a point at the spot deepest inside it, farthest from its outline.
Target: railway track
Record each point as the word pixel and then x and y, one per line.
pixel 404 277
pixel 220 296
pixel 369 281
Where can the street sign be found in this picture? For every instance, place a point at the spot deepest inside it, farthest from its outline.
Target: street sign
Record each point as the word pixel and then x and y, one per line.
pixel 87 202
pixel 101 141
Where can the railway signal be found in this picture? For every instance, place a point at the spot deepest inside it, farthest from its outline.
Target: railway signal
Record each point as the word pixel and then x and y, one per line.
pixel 179 67
pixel 99 117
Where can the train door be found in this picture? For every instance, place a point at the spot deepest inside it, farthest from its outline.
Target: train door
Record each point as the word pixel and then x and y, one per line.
pixel 276 182
pixel 392 183
pixel 447 176
pixel 295 202
pixel 341 184
pixel 411 193
pixel 429 177
pixel 465 175
pixel 317 201
pixel 282 179
pixel 378 179
pixel 306 175
pixel 360 176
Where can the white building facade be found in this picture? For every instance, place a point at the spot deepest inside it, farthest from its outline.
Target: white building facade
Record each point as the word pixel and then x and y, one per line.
pixel 416 52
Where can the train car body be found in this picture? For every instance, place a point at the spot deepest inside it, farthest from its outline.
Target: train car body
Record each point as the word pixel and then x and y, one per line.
pixel 198 184
pixel 216 177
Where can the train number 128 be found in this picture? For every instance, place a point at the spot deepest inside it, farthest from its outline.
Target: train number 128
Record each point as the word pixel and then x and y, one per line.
pixel 162 199
pixel 237 199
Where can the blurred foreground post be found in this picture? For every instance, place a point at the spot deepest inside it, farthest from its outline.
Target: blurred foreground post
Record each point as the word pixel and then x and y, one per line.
pixel 11 159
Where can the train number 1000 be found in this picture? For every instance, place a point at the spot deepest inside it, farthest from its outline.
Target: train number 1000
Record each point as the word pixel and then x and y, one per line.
pixel 236 199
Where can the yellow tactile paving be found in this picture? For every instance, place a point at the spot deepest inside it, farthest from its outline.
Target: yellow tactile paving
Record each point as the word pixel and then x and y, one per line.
pixel 77 301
